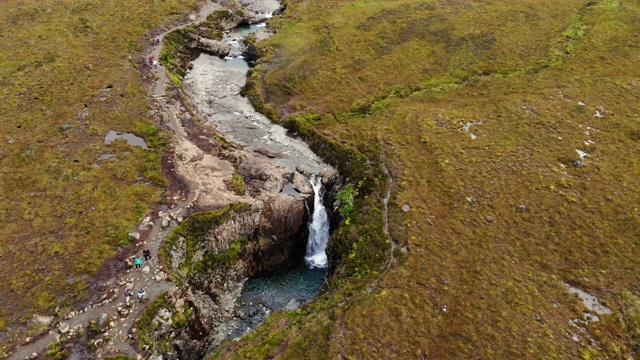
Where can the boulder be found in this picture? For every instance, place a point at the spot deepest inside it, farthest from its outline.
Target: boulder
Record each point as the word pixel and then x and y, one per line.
pixel 64 328
pixel 101 322
pixel 214 47
pixel 283 215
pixel 179 305
pixel 270 154
pixel 43 320
pixel 302 185
pixel 134 236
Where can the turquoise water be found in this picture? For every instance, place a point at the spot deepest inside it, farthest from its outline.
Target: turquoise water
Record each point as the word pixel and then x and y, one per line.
pixel 294 288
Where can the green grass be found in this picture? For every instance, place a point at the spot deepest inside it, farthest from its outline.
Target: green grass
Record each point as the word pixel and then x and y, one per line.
pixel 414 73
pixel 60 216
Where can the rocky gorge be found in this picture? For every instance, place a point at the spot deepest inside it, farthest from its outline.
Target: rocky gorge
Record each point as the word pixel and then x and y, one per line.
pixel 238 205
pixel 255 199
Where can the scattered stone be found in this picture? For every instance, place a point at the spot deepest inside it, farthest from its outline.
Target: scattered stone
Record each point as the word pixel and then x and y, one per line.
pixel 101 322
pixel 164 314
pixel 579 163
pixel 405 207
pixel 89 66
pixel 129 285
pixel 165 222
pixel 134 236
pixel 179 305
pixel 270 154
pixel 146 269
pixel 292 304
pixel 34 355
pixel 43 320
pixel 489 218
pixel 301 184
pixel 470 200
pixel 65 127
pixel 64 328
pixel 522 208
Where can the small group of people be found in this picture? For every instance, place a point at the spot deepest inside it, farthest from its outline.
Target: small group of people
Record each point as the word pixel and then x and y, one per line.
pixel 153 61
pixel 138 260
pixel 128 294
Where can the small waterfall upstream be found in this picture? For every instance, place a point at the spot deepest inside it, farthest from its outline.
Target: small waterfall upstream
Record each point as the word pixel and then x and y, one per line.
pixel 316 258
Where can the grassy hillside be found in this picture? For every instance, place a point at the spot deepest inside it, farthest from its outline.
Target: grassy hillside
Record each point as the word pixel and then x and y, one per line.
pixel 65 80
pixel 479 108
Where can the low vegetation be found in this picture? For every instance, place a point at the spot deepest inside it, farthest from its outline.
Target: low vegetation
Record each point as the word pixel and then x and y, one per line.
pixel 194 231
pixel 154 334
pixel 510 132
pixel 67 77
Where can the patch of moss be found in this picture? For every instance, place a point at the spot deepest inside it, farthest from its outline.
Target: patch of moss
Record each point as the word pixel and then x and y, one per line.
pixel 176 53
pixel 195 230
pixel 56 351
pixel 212 260
pixel 237 185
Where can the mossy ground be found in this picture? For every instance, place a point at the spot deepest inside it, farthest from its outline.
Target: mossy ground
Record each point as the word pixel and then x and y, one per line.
pixel 533 81
pixel 67 63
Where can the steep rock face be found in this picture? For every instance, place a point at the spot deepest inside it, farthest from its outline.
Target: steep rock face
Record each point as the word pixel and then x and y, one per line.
pixel 261 238
pixel 238 226
pixel 282 235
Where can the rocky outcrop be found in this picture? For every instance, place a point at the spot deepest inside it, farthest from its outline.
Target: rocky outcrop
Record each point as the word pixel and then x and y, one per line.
pixel 240 241
pixel 214 47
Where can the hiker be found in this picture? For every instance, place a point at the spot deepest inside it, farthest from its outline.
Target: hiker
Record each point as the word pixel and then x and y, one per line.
pixel 151 60
pixel 138 262
pixel 127 296
pixel 158 39
pixel 141 294
pixel 147 254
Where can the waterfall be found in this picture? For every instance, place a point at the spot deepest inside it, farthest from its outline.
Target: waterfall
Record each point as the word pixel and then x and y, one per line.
pixel 318 228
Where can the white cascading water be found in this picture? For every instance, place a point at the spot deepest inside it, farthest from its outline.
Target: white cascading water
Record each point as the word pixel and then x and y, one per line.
pixel 318 229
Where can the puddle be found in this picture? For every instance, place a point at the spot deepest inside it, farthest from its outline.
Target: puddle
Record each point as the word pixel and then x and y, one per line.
pixel 131 139
pixel 590 302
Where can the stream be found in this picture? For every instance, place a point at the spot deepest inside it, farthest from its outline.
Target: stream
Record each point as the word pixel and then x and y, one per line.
pixel 213 86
